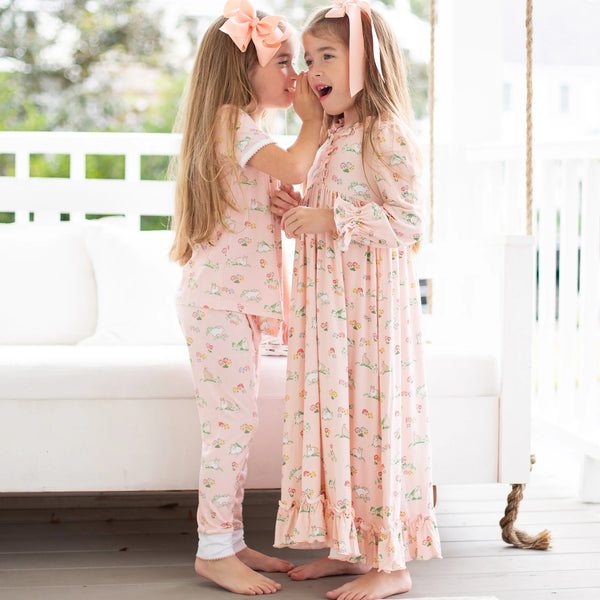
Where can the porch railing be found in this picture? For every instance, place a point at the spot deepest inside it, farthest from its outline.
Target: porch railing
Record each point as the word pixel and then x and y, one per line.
pixel 76 195
pixel 566 226
pixel 566 222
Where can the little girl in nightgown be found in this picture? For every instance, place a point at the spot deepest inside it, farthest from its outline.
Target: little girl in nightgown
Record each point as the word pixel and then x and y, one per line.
pixel 357 455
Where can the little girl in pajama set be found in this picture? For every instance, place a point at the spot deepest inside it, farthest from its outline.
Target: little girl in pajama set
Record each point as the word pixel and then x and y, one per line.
pixel 356 455
pixel 229 244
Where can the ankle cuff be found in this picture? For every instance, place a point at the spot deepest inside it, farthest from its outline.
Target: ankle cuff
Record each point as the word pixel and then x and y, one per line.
pixel 238 540
pixel 215 546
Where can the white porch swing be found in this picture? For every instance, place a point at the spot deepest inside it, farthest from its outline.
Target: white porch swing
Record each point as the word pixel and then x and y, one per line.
pixel 515 266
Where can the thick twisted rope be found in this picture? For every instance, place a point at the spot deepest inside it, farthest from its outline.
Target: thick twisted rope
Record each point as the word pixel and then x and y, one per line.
pixel 510 535
pixel 516 537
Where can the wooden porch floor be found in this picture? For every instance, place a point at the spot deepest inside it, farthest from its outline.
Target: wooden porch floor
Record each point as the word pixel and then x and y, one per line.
pixel 125 547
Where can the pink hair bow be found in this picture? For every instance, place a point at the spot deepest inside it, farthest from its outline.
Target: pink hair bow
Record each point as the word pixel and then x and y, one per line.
pixel 356 45
pixel 243 25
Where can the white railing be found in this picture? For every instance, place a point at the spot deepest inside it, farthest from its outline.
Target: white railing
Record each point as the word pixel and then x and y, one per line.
pixel 48 197
pixel 566 226
pixel 491 188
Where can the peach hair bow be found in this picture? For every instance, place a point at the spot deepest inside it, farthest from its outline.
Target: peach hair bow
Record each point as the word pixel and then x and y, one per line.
pixel 356 45
pixel 243 25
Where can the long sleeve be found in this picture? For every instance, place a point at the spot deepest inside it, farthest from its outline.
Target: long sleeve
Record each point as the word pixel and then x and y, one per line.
pixel 384 210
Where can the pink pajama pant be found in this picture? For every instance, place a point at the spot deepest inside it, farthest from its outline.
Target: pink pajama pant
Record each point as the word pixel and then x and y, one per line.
pixel 223 348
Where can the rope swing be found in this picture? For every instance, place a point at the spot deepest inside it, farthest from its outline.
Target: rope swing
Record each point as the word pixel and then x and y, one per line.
pixel 510 535
pixel 516 537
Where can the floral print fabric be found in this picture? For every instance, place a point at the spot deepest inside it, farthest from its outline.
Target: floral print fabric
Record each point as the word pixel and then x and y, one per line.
pixel 223 348
pixel 240 269
pixel 356 456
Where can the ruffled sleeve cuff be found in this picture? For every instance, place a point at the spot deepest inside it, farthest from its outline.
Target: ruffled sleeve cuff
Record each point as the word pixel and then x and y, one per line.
pixel 347 218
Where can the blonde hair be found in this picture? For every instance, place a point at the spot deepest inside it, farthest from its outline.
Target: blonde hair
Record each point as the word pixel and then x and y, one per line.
pixel 378 99
pixel 219 77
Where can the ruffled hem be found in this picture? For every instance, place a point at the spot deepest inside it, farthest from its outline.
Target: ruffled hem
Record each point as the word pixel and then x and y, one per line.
pixel 321 525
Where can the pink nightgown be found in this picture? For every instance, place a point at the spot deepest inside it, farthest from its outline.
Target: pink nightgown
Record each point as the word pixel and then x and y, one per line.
pixel 357 454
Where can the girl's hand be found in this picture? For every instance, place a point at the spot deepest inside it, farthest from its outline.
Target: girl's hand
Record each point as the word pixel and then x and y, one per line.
pixel 302 219
pixel 285 199
pixel 306 104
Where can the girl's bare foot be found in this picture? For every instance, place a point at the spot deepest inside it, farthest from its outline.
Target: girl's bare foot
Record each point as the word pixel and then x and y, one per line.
pixel 233 575
pixel 373 585
pixel 261 562
pixel 325 567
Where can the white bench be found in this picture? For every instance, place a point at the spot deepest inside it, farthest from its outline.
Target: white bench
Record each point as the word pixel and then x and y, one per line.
pixel 80 413
pixel 100 417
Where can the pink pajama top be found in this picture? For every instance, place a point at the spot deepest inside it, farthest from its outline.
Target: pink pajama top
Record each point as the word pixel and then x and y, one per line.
pixel 240 268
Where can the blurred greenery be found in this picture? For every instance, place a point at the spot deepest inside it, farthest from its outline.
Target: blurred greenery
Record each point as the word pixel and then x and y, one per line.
pixel 154 222
pixel 110 65
pixel 105 166
pixel 71 65
pixel 7 165
pixel 17 111
pixel 49 165
pixel 420 8
pixel 154 168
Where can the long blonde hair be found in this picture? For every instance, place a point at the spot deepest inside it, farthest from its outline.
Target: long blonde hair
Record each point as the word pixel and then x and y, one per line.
pixel 219 77
pixel 379 99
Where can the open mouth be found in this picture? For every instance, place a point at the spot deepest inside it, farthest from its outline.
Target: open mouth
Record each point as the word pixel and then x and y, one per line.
pixel 323 90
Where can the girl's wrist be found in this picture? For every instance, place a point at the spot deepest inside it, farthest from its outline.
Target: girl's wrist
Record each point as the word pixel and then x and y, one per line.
pixel 312 121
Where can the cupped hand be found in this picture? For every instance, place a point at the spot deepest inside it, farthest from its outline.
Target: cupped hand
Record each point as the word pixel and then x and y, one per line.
pixel 306 103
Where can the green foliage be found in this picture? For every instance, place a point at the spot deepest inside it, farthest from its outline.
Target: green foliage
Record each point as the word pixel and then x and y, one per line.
pixel 93 217
pixel 104 166
pixel 102 66
pixel 84 65
pixel 49 165
pixel 420 8
pixel 7 165
pixel 160 116
pixel 418 86
pixel 154 168
pixel 17 111
pixel 154 222
pixel 74 63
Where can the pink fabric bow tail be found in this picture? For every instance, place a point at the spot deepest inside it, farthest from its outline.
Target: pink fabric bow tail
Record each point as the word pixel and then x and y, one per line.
pixel 243 25
pixel 356 44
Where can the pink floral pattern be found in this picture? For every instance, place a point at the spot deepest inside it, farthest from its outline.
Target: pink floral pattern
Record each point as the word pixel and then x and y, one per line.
pixel 240 269
pixel 356 457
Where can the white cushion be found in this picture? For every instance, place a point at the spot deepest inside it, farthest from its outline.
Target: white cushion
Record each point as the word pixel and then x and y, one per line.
pixel 136 285
pixel 452 371
pixel 48 292
pixel 47 372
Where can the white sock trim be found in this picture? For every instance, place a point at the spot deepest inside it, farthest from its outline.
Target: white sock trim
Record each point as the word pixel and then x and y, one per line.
pixel 217 545
pixel 238 540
